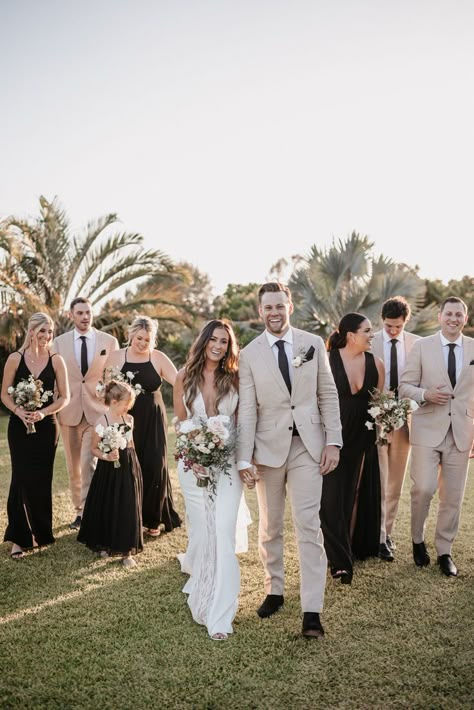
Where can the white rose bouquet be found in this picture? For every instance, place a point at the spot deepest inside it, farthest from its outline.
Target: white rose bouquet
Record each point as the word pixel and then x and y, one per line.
pixel 113 373
pixel 29 395
pixel 112 437
pixel 205 443
pixel 388 413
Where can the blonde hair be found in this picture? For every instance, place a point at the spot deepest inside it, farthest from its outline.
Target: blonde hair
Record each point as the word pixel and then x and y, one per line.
pixel 143 323
pixel 36 322
pixel 120 392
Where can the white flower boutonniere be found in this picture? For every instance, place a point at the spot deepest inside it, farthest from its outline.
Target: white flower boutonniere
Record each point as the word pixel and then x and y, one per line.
pixel 303 357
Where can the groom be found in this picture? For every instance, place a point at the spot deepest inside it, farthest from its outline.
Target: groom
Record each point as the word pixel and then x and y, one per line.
pixel 289 427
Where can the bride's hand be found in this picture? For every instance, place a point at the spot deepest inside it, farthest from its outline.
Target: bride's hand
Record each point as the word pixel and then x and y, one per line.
pixel 199 471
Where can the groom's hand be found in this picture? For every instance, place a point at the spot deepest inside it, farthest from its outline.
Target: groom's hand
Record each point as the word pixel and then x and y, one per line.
pixel 329 459
pixel 248 476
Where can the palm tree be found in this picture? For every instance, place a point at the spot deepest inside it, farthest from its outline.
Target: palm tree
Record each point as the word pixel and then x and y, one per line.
pixel 44 264
pixel 347 277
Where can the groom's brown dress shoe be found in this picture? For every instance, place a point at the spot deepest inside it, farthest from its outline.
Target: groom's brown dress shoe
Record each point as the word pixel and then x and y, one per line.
pixel 271 604
pixel 312 625
pixel 447 566
pixel 420 554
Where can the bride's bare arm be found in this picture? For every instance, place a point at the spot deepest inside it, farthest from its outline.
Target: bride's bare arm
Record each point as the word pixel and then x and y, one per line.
pixel 178 403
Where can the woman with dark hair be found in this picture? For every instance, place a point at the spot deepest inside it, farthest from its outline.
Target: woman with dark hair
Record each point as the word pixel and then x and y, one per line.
pixel 350 502
pixel 141 364
pixel 207 386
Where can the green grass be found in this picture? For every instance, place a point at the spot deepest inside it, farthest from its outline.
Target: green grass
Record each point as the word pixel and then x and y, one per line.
pixel 78 632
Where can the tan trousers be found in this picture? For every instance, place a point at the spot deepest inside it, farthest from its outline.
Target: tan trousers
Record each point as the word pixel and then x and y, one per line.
pixel 393 460
pixel 443 468
pixel 77 441
pixel 301 478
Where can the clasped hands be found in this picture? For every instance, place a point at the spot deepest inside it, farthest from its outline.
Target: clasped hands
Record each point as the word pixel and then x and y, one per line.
pixel 29 417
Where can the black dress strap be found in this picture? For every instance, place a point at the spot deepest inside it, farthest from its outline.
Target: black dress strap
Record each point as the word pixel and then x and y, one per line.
pixel 105 417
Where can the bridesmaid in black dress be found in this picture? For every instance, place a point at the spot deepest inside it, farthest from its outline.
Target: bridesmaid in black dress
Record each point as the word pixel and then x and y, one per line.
pixel 29 505
pixel 148 367
pixel 350 502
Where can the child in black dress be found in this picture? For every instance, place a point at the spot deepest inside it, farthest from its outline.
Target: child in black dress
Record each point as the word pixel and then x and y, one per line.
pixel 111 522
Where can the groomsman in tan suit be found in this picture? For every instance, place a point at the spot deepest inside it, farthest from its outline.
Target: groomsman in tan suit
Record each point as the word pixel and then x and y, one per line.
pixel 290 429
pixel 439 376
pixel 392 345
pixel 85 351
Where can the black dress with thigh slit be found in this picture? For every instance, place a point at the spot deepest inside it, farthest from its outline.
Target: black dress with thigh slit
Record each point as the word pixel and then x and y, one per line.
pixel 350 501
pixel 29 506
pixel 149 436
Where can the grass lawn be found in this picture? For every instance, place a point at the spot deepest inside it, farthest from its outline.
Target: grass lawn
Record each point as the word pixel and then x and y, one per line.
pixel 80 632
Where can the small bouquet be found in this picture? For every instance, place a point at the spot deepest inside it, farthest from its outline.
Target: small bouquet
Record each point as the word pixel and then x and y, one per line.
pixel 112 437
pixel 30 395
pixel 389 414
pixel 205 442
pixel 113 373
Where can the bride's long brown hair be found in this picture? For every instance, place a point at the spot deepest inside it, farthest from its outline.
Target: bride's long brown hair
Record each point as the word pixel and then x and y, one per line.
pixel 226 375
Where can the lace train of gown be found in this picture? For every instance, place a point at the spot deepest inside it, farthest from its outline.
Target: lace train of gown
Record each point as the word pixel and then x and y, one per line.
pixel 210 558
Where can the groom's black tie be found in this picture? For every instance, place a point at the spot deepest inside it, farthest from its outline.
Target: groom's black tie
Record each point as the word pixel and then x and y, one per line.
pixel 394 367
pixel 283 363
pixel 452 364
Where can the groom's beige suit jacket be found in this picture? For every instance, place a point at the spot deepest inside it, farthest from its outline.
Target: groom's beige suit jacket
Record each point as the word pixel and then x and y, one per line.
pixel 267 411
pixel 84 400
pixel 425 369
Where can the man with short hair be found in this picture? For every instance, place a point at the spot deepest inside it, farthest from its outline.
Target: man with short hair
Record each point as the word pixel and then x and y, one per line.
pixel 85 351
pixel 439 376
pixel 392 345
pixel 289 427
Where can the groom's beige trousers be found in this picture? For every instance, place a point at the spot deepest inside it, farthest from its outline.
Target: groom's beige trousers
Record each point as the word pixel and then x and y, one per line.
pixel 300 476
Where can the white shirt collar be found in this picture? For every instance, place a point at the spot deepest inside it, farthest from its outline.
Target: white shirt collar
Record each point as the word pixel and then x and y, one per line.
pixel 445 341
pixel 78 335
pixel 387 338
pixel 272 339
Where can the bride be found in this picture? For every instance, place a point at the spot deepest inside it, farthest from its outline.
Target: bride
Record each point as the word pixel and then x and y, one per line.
pixel 205 387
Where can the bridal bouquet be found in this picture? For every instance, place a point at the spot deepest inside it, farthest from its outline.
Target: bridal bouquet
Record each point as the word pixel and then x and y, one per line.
pixel 205 442
pixel 113 373
pixel 388 413
pixel 30 395
pixel 112 437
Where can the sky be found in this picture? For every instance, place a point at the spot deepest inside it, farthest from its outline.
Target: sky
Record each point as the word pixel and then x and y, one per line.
pixel 234 133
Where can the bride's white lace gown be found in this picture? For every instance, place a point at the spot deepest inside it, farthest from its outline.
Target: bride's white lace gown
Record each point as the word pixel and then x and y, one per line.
pixel 210 558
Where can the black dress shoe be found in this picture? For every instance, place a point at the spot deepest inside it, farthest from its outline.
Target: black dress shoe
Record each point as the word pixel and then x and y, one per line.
pixel 343 574
pixel 420 554
pixel 447 566
pixel 385 552
pixel 76 524
pixel 390 543
pixel 271 604
pixel 312 625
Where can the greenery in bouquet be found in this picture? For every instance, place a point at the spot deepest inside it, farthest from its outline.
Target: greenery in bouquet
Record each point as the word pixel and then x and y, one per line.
pixel 112 438
pixel 30 395
pixel 113 373
pixel 205 443
pixel 388 413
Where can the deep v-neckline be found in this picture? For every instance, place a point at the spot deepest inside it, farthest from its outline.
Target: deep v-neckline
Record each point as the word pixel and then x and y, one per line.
pixel 41 371
pixel 204 406
pixel 353 394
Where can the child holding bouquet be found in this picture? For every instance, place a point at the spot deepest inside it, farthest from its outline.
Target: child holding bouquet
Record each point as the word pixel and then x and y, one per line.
pixel 111 522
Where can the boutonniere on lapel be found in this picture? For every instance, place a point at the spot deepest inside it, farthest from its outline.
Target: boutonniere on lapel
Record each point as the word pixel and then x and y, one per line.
pixel 303 357
pixel 103 352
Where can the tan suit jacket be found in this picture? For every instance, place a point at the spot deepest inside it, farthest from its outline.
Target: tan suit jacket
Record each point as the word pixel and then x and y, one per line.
pixel 425 369
pixel 84 400
pixel 267 411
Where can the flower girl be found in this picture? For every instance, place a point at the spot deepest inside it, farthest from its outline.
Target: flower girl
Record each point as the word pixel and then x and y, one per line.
pixel 111 521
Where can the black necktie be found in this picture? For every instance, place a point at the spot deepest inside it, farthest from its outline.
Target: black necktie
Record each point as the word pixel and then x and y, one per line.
pixel 452 364
pixel 283 363
pixel 84 365
pixel 394 366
